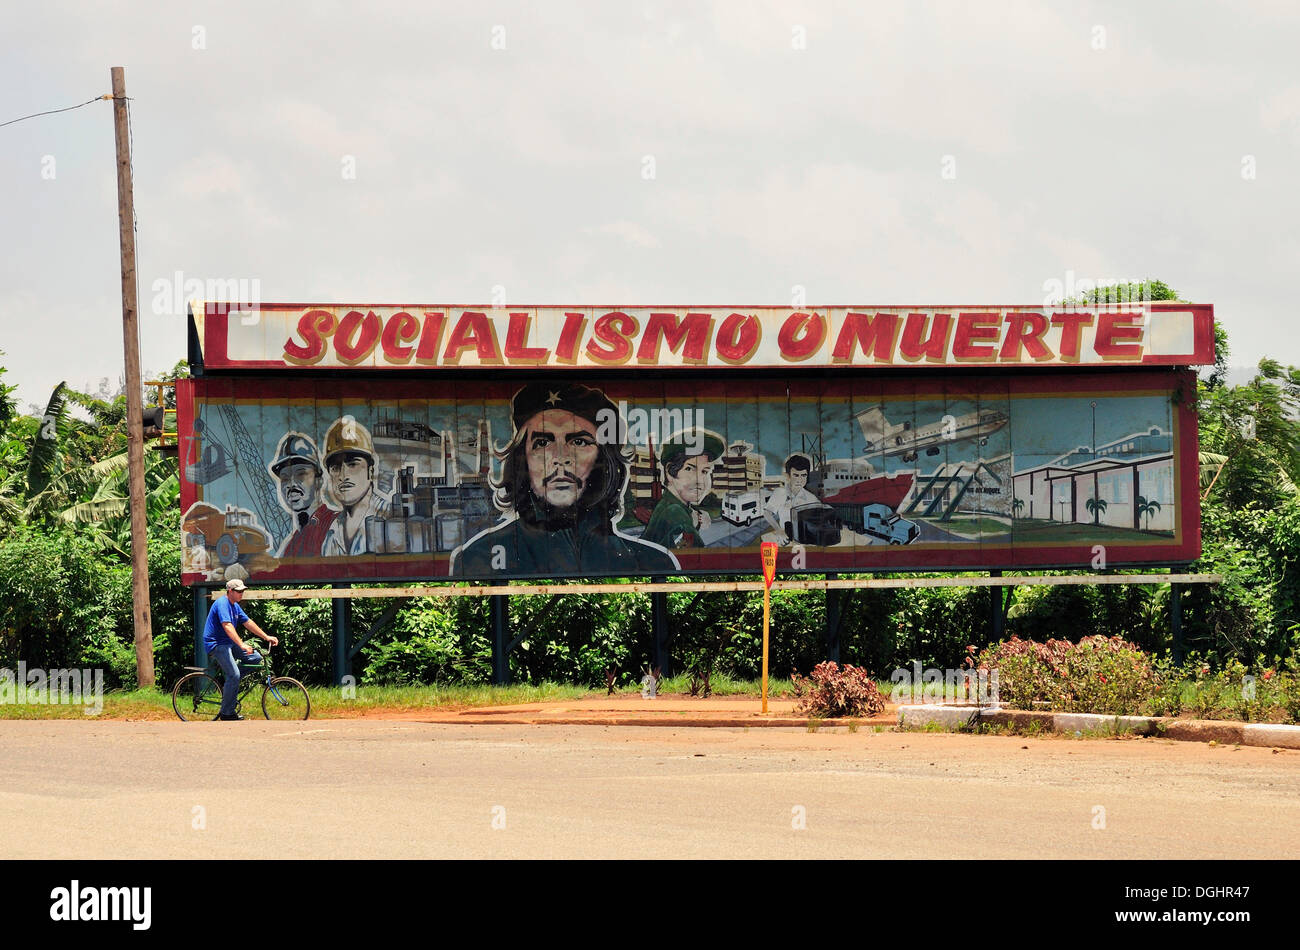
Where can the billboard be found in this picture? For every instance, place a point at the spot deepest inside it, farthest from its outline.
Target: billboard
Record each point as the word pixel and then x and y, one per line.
pixel 394 339
pixel 299 477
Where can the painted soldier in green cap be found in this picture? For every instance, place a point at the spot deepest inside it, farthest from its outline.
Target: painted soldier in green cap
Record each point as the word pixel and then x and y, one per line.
pixel 687 460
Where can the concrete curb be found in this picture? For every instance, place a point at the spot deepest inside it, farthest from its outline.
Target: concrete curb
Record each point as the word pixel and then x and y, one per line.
pixel 688 721
pixel 1183 730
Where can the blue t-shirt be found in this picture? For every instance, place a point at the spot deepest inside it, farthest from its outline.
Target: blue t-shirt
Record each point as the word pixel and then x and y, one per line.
pixel 224 610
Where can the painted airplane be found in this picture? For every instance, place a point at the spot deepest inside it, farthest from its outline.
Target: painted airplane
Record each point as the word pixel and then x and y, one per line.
pixel 907 441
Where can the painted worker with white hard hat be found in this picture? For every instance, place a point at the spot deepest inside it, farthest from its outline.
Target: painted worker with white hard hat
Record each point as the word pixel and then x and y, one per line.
pixel 350 463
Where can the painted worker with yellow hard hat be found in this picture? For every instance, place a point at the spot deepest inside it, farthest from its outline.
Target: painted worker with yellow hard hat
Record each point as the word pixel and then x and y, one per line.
pixel 350 463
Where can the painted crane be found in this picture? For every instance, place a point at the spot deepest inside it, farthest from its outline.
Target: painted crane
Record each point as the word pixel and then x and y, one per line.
pixel 254 475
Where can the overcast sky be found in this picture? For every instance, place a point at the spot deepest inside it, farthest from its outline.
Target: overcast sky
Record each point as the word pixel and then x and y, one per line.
pixel 644 152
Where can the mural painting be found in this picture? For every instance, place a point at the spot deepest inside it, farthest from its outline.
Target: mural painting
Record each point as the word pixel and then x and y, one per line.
pixel 634 478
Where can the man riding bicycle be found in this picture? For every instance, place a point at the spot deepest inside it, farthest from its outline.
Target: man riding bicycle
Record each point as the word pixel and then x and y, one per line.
pixel 220 638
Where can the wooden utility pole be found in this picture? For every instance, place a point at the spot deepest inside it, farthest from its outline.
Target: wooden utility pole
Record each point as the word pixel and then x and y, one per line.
pixel 134 388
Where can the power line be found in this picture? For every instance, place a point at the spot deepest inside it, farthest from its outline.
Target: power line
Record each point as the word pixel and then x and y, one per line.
pixel 54 111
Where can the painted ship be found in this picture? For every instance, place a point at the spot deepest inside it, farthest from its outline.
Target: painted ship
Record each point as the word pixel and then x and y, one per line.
pixel 867 489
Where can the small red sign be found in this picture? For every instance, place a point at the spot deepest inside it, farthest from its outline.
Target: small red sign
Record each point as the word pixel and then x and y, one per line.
pixel 768 551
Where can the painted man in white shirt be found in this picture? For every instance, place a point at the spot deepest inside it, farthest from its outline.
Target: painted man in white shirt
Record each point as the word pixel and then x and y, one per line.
pixel 792 495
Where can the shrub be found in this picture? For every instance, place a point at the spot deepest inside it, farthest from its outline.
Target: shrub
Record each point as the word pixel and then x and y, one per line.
pixel 425 649
pixel 1029 673
pixel 835 692
pixel 1207 687
pixel 1108 675
pixel 1171 686
pixel 1288 690
pixel 1098 674
pixel 55 604
pixel 934 625
pixel 305 629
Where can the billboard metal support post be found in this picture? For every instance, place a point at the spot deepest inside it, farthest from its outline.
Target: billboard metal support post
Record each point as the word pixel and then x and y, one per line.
pixel 995 610
pixel 342 634
pixel 834 605
pixel 498 609
pixel 201 602
pixel 1176 621
pixel 660 658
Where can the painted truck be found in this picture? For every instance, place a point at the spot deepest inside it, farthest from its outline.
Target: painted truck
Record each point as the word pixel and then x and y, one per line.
pixel 885 524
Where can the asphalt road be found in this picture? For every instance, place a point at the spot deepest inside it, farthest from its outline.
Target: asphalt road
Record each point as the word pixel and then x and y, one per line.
pixel 349 789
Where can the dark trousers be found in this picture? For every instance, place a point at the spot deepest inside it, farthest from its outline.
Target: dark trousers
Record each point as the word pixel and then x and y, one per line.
pixel 224 654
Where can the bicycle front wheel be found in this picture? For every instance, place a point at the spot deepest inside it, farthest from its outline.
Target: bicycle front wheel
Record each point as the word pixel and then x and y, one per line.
pixel 196 697
pixel 285 698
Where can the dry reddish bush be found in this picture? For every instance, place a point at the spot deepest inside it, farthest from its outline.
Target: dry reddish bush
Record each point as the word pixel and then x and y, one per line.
pixel 835 692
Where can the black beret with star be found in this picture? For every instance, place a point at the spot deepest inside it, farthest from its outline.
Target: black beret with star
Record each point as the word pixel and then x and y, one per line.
pixel 582 401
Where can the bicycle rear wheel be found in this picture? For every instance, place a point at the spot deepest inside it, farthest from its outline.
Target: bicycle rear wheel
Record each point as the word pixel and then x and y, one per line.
pixel 196 697
pixel 285 698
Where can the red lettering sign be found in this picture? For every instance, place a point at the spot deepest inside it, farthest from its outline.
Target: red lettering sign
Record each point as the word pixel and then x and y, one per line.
pixel 691 335
pixel 876 334
pixel 977 335
pixel 516 339
pixel 917 344
pixel 738 338
pixel 615 329
pixel 356 337
pixel 1114 327
pixel 1071 325
pixel 473 329
pixel 801 336
pixel 400 329
pixel 314 327
pixel 1025 331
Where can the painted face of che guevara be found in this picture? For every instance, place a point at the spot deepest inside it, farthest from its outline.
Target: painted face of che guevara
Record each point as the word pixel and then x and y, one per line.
pixel 299 486
pixel 350 477
pixel 693 481
pixel 561 450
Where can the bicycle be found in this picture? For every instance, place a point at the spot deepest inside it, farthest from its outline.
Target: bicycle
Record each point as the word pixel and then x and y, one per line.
pixel 196 696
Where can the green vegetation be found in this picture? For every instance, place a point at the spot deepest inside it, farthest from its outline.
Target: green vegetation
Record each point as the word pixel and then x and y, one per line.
pixel 65 596
pixel 327 702
pixel 1109 676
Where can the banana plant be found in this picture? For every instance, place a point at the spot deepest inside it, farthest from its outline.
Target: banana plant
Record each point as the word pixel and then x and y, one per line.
pixel 52 432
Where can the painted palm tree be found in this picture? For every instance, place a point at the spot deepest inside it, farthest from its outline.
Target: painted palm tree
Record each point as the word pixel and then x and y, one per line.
pixel 1017 506
pixel 1147 507
pixel 1098 508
